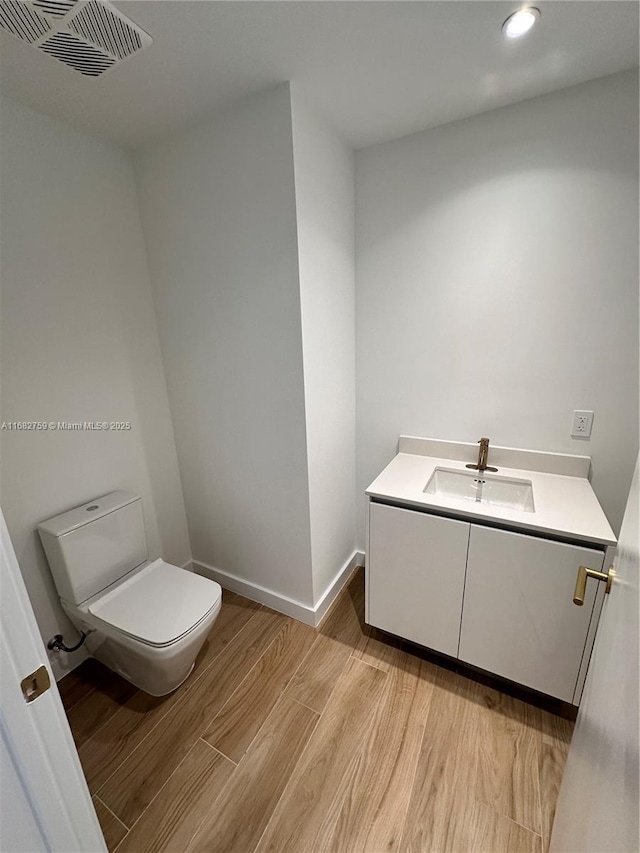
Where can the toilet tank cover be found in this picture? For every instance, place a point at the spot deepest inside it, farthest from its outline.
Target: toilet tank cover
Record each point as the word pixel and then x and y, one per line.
pixel 159 604
pixel 77 517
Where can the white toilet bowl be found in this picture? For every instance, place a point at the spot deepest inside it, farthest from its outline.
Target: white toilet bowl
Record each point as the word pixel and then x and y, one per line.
pixel 150 626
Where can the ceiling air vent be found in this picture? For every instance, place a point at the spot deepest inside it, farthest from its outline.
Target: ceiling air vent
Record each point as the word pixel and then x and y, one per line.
pixel 55 8
pixel 97 23
pixel 21 20
pixel 89 36
pixel 78 54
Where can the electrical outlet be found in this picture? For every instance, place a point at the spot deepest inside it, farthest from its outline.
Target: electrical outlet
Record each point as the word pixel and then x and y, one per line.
pixel 582 423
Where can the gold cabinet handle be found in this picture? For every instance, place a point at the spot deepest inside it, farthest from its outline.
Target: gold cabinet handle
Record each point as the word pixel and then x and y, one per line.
pixel 585 572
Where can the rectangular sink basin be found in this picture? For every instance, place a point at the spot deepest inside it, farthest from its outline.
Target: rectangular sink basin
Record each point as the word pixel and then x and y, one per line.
pixel 481 488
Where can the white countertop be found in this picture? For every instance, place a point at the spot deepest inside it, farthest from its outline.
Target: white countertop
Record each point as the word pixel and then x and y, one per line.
pixel 564 505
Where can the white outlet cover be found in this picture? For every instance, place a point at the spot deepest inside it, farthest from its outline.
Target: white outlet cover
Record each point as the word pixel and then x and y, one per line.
pixel 581 424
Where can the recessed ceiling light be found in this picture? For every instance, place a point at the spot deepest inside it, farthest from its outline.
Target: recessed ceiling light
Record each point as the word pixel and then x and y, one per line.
pixel 520 22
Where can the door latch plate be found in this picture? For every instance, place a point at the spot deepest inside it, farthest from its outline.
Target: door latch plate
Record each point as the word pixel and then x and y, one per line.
pixel 35 684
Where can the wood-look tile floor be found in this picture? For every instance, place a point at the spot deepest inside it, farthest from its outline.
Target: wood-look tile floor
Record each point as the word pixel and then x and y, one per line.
pixel 286 738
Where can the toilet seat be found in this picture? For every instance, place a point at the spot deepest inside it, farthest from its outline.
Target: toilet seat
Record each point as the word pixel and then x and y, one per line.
pixel 158 605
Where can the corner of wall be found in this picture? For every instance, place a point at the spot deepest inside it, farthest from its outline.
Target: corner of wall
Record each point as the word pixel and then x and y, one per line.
pixel 324 190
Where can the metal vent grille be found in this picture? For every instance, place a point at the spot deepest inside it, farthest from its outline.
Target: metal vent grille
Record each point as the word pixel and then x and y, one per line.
pixel 90 36
pixel 19 19
pixel 55 8
pixel 85 58
pixel 97 23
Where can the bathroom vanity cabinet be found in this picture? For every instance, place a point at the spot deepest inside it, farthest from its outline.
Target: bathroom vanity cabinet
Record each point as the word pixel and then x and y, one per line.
pixel 495 599
pixel 491 587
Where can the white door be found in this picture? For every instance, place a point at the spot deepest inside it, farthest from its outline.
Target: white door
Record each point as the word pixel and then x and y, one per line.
pixel 518 617
pixel 415 575
pixel 45 803
pixel 598 806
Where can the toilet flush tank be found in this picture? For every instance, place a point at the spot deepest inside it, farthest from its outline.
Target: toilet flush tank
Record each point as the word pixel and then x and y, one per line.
pixel 94 545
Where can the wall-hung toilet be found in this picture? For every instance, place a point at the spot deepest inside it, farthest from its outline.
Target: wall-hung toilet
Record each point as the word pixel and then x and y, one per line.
pixel 146 621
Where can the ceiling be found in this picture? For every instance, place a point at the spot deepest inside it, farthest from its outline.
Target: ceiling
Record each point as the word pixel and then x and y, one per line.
pixel 373 70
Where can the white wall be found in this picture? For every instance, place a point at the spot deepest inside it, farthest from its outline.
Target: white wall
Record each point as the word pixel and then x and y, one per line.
pixel 324 186
pixel 497 282
pixel 79 343
pixel 218 209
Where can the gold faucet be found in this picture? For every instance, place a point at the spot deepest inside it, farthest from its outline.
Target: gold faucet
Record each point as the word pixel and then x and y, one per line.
pixel 483 454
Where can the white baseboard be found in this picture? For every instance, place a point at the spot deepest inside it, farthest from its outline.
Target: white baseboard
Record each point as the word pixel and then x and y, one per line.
pixel 255 592
pixel 282 603
pixel 333 590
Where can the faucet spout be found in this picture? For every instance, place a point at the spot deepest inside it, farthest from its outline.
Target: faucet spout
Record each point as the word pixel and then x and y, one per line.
pixel 483 455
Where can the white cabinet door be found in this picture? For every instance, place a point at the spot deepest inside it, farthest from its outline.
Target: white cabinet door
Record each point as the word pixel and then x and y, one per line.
pixel 415 573
pixel 518 618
